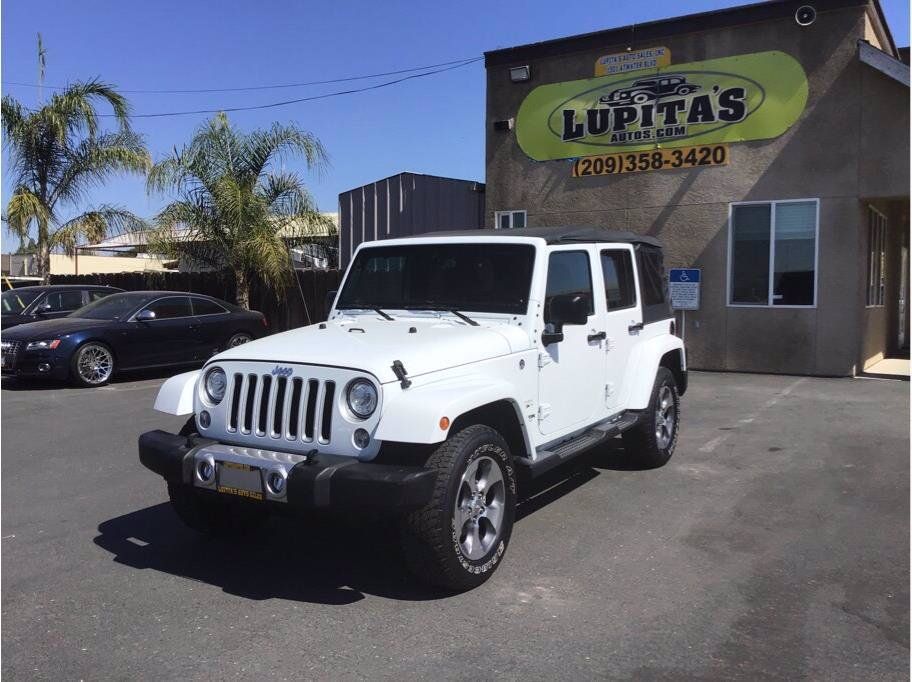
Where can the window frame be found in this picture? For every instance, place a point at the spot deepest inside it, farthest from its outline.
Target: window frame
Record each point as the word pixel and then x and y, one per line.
pixel 772 203
pixel 880 288
pixel 631 258
pixel 511 213
pixel 193 299
pixel 163 298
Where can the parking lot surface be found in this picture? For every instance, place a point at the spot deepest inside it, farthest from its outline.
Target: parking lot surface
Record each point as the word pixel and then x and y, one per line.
pixel 775 544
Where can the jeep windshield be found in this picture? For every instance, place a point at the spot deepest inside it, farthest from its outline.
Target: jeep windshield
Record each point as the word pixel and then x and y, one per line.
pixel 485 278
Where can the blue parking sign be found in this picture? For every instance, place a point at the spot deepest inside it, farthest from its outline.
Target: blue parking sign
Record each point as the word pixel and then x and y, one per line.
pixel 684 288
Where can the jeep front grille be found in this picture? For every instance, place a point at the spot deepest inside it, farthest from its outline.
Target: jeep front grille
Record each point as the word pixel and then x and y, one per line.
pixel 294 409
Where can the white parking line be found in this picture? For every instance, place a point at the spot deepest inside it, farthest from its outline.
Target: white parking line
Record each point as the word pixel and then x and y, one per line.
pixel 711 445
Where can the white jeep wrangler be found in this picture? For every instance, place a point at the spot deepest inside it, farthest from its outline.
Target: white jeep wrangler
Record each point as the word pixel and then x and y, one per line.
pixel 451 365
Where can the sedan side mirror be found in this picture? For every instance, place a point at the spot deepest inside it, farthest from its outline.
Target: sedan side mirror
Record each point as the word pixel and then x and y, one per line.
pixel 145 316
pixel 42 309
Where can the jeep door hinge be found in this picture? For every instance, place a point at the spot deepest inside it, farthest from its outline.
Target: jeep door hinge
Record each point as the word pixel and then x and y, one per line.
pixel 544 411
pixel 543 359
pixel 609 391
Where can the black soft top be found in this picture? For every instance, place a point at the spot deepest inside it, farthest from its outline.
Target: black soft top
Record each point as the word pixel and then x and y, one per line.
pixel 557 235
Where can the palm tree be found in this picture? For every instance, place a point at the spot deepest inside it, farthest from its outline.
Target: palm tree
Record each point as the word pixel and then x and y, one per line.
pixel 234 209
pixel 57 154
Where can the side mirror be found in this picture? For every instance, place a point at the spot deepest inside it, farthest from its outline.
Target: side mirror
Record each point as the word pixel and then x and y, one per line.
pixel 145 315
pixel 330 297
pixel 42 309
pixel 561 310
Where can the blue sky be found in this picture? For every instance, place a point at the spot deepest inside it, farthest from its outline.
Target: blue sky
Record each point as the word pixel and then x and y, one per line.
pixel 431 125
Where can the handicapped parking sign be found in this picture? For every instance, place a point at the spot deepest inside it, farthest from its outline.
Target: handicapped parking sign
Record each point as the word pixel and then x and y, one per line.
pixel 684 288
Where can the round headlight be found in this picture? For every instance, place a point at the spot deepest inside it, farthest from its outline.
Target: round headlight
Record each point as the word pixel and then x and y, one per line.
pixel 216 383
pixel 362 398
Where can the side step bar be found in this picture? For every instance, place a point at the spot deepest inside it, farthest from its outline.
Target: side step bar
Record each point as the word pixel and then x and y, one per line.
pixel 564 452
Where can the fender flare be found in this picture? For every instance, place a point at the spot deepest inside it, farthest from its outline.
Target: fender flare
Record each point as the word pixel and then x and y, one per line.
pixel 176 395
pixel 413 416
pixel 643 366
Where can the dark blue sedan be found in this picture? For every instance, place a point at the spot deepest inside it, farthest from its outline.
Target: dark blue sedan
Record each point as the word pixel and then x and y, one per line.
pixel 132 330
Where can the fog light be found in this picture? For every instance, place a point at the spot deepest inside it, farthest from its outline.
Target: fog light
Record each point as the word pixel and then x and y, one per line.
pixel 204 419
pixel 362 438
pixel 276 482
pixel 205 471
pixel 44 367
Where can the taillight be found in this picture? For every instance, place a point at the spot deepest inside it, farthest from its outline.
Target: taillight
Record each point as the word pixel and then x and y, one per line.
pixel 264 321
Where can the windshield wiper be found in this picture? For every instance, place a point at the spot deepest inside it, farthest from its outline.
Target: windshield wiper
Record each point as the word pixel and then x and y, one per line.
pixel 463 317
pixel 380 312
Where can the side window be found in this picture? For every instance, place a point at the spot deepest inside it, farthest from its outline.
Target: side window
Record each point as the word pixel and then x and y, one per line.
pixel 59 301
pixel 617 270
pixel 95 294
pixel 167 308
pixel 652 279
pixel 568 273
pixel 653 285
pixel 203 306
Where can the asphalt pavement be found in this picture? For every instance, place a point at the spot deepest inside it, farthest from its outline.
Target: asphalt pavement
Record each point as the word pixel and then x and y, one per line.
pixel 775 544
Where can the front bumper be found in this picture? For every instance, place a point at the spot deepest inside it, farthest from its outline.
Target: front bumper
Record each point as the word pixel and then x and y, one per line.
pixel 312 482
pixel 35 364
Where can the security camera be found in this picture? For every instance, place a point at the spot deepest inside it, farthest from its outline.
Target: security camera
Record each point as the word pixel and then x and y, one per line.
pixel 805 15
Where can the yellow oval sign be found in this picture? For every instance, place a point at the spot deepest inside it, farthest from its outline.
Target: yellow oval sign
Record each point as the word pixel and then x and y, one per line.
pixel 733 99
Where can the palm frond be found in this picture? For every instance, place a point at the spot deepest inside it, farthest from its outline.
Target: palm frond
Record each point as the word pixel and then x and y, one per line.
pixel 23 210
pixel 95 226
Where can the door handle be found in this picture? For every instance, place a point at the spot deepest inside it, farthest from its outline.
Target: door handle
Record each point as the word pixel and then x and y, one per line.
pixel 600 336
pixel 635 328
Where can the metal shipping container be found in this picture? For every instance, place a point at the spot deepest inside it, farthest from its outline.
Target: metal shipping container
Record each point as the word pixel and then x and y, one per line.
pixel 407 204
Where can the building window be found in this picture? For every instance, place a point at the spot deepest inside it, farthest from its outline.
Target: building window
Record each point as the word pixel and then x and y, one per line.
pixel 773 253
pixel 877 239
pixel 505 220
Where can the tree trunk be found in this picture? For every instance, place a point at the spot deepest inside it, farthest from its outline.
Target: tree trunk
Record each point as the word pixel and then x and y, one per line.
pixel 242 295
pixel 43 253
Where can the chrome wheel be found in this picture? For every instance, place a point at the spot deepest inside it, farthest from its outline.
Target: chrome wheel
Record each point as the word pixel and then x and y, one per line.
pixel 95 364
pixel 665 417
pixel 479 511
pixel 238 340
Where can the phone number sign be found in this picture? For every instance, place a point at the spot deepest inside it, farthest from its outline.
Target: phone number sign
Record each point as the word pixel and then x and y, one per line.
pixel 684 288
pixel 660 159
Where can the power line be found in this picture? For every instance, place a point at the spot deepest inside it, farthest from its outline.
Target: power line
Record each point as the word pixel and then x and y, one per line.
pixel 312 98
pixel 266 87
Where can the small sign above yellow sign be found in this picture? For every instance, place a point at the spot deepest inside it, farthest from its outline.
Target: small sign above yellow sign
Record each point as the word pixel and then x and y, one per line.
pixel 633 60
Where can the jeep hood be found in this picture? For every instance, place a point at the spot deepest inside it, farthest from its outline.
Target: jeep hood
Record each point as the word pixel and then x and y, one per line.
pixel 373 345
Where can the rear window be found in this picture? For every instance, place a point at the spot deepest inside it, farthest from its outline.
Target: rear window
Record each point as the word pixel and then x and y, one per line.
pixel 203 306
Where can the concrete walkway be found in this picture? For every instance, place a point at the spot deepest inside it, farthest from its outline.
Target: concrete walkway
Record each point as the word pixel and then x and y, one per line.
pixel 889 368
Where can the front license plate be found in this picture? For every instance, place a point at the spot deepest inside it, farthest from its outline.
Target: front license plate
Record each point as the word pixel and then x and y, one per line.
pixel 239 479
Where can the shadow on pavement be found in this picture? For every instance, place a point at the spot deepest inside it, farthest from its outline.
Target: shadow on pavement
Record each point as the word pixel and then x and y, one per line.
pixel 318 558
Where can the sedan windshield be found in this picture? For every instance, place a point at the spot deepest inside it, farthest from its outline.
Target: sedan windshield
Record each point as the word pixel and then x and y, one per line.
pixel 113 307
pixel 476 277
pixel 16 301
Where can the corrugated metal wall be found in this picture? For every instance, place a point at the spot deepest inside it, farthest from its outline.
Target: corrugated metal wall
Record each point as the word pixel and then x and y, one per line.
pixel 404 205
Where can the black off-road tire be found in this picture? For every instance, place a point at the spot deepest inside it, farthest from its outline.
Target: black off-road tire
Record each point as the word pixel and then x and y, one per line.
pixel 213 516
pixel 430 539
pixel 642 445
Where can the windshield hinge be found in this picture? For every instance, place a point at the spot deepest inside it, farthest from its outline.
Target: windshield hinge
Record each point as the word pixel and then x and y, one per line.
pixel 399 371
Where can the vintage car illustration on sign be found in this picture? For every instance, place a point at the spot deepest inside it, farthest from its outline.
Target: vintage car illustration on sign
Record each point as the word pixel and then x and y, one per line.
pixel 648 89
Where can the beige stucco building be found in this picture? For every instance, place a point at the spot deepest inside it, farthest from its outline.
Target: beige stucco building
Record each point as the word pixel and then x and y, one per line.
pixel 789 189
